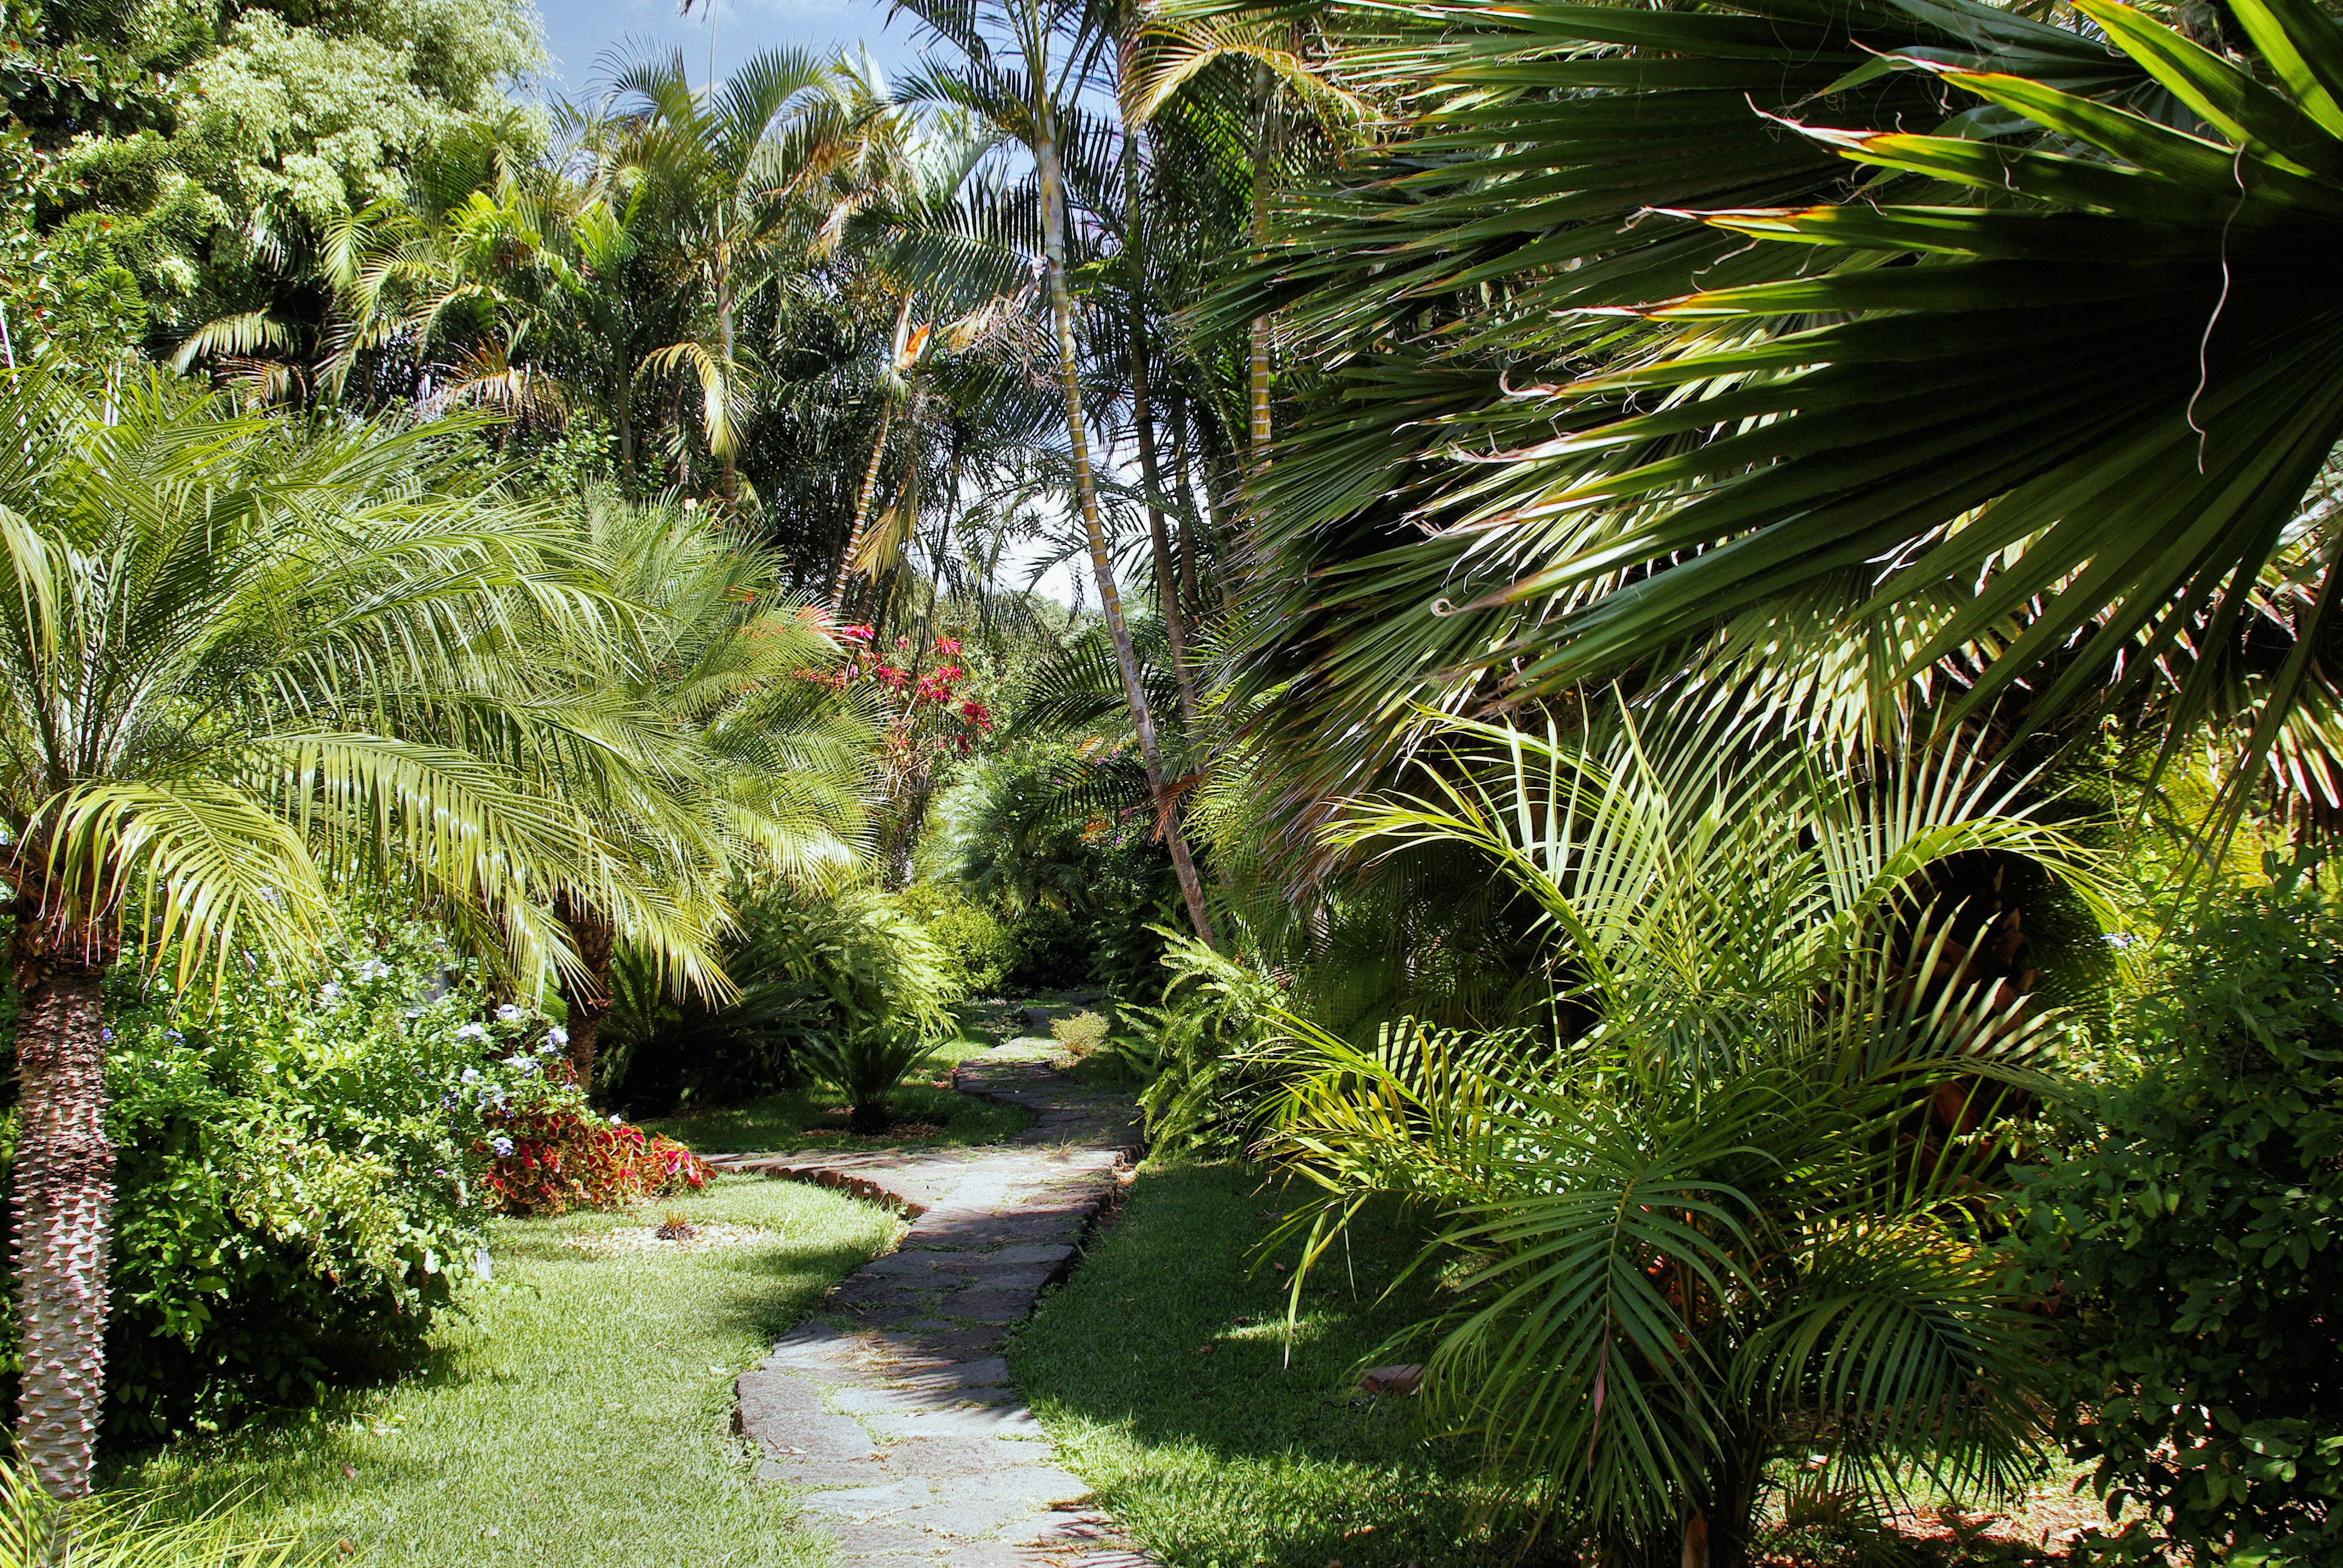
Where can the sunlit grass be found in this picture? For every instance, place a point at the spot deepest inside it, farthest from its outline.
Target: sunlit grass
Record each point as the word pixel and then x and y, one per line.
pixel 1162 1370
pixel 578 1410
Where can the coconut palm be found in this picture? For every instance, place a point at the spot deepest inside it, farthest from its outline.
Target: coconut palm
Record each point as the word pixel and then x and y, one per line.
pixel 213 625
pixel 1731 1202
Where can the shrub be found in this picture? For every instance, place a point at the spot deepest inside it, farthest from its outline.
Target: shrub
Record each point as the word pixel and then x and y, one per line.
pixel 1207 1079
pixel 2188 1237
pixel 550 1154
pixel 811 968
pixel 976 946
pixel 295 1177
pixel 1080 1035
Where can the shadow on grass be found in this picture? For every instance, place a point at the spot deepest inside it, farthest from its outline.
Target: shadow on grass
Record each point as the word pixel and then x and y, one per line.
pixel 926 1116
pixel 1164 1367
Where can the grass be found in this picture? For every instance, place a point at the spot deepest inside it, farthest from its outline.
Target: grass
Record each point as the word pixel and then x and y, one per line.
pixel 1161 1369
pixel 580 1411
pixel 925 1116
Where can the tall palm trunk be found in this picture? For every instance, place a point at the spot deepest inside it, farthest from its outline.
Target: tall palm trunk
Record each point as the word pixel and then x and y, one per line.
pixel 862 506
pixel 64 1188
pixel 1142 419
pixel 1265 92
pixel 585 1000
pixel 727 483
pixel 1061 313
pixel 1188 593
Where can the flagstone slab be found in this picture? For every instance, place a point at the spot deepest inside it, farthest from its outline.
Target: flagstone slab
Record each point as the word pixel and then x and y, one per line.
pixel 893 1409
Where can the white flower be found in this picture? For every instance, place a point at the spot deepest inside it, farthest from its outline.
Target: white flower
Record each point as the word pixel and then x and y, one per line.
pixel 2117 939
pixel 509 1014
pixel 517 1060
pixel 373 969
pixel 471 1075
pixel 555 1038
pixel 329 994
pixel 472 1031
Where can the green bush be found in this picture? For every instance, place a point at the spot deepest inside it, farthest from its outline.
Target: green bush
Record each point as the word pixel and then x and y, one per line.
pixel 2189 1240
pixel 1206 1078
pixel 1081 1034
pixel 838 984
pixel 975 945
pixel 297 1177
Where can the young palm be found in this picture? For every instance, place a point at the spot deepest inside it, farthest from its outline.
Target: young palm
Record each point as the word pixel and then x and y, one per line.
pixel 209 620
pixel 1734 1207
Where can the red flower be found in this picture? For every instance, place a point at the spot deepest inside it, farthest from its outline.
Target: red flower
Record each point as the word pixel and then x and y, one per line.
pixel 948 646
pixel 853 634
pixel 976 713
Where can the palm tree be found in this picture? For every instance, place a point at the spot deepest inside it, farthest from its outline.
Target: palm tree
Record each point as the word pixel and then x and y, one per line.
pixel 213 619
pixel 728 173
pixel 1666 333
pixel 732 758
pixel 1730 1202
pixel 1030 89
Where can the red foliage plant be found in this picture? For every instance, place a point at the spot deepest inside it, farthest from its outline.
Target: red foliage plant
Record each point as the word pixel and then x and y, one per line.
pixel 547 1158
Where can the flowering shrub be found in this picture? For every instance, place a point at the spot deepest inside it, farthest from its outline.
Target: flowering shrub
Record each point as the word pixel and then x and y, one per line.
pixel 924 716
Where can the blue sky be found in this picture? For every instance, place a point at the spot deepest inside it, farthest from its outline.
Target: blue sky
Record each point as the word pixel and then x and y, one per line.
pixel 579 32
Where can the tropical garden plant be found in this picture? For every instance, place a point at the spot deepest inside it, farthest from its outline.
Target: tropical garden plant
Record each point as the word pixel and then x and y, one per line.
pixel 212 618
pixel 1733 1202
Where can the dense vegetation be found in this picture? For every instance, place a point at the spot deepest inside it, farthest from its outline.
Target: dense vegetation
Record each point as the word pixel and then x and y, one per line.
pixel 1697 720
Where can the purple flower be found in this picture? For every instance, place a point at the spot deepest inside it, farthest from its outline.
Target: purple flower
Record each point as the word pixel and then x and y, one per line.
pixel 503 1146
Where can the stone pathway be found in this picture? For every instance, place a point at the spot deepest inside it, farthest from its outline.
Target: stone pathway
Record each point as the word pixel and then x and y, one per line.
pixel 894 1406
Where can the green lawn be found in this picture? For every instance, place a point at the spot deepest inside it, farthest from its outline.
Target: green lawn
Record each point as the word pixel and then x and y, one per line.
pixel 1161 1369
pixel 579 1411
pixel 814 1117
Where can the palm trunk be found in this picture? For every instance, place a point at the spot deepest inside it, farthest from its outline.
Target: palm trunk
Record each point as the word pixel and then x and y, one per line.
pixel 1188 593
pixel 728 484
pixel 65 1192
pixel 1142 419
pixel 585 1000
pixel 861 508
pixel 1265 92
pixel 1062 312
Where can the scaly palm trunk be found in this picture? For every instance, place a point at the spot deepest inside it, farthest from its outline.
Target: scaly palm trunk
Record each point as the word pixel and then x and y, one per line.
pixel 1061 313
pixel 585 1000
pixel 861 508
pixel 65 1191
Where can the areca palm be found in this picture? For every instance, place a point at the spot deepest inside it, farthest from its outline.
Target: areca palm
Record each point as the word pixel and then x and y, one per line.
pixel 729 173
pixel 210 624
pixel 1734 1207
pixel 1987 332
